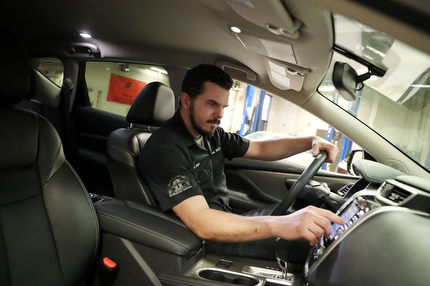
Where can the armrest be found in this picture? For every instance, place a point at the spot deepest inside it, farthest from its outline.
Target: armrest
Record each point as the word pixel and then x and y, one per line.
pixel 147 225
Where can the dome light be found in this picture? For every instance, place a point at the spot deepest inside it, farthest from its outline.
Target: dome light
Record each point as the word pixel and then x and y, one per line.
pixel 85 35
pixel 236 30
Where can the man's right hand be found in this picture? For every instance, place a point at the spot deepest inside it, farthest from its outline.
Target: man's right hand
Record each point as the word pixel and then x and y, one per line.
pixel 310 223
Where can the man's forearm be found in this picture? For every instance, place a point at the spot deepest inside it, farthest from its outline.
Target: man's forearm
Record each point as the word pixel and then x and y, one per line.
pixel 277 149
pixel 228 227
pixel 212 224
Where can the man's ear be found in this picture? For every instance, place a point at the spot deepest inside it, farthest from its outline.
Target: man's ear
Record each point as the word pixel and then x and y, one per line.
pixel 185 100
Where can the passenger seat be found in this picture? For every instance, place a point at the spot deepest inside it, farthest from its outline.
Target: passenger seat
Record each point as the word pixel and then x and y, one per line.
pixel 154 104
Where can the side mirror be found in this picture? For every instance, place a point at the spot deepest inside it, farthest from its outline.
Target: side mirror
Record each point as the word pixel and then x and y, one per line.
pixel 351 157
pixel 355 155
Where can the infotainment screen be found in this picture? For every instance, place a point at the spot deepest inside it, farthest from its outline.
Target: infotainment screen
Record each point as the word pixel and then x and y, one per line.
pixel 347 215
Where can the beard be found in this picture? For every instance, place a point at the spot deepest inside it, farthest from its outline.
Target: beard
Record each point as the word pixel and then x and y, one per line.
pixel 199 128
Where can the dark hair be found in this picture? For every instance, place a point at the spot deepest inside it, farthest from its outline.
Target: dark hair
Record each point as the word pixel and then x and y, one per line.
pixel 194 80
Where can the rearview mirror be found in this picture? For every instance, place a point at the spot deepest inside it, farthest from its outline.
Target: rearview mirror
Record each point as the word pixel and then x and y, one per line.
pixel 345 80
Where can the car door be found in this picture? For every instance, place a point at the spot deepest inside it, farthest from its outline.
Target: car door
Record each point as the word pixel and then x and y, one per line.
pixel 254 183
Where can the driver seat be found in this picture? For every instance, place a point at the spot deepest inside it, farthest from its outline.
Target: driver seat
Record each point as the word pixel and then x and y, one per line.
pixel 49 231
pixel 154 104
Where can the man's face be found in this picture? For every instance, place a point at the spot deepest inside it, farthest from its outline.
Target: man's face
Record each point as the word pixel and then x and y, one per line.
pixel 207 109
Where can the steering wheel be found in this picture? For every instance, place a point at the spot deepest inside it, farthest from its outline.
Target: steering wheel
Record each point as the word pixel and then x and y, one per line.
pixel 304 178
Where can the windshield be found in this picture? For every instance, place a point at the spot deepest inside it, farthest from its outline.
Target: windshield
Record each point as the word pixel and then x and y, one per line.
pixel 396 105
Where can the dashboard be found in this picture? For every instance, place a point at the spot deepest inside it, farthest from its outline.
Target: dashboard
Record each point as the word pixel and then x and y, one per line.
pixel 385 238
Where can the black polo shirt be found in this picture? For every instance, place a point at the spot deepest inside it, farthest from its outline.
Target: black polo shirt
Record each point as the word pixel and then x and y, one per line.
pixel 177 168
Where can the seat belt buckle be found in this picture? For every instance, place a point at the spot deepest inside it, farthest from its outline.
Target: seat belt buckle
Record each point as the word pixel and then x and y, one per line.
pixel 107 271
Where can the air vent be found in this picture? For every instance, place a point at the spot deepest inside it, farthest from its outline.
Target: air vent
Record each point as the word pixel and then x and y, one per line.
pixel 395 194
pixel 343 191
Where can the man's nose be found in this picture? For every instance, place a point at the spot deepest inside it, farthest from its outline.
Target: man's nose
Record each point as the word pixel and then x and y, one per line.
pixel 219 113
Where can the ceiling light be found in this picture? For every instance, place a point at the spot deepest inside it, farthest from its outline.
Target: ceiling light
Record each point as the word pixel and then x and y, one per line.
pixel 85 35
pixel 236 30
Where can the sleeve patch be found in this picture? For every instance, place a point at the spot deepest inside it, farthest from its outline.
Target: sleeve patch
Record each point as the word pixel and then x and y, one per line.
pixel 178 185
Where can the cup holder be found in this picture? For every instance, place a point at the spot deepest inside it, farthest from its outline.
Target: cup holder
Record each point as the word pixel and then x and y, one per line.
pixel 228 277
pixel 212 275
pixel 245 281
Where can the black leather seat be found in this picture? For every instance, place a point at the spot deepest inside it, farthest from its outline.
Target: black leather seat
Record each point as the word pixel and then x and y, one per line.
pixel 154 104
pixel 49 232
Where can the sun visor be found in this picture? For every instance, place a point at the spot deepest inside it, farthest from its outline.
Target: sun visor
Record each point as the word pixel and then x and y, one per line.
pixel 286 76
pixel 272 49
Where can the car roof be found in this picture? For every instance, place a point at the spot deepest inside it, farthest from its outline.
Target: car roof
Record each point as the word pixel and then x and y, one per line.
pixel 179 34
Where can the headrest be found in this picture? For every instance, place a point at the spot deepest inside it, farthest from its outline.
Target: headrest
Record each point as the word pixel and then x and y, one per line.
pixel 154 104
pixel 14 79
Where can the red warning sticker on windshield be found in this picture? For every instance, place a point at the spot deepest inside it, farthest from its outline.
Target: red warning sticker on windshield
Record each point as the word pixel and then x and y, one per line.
pixel 123 89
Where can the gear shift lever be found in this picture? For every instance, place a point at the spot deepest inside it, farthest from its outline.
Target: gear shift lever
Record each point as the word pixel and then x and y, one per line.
pixel 291 255
pixel 284 266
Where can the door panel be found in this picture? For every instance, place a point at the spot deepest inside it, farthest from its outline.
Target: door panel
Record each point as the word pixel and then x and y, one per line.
pixel 263 183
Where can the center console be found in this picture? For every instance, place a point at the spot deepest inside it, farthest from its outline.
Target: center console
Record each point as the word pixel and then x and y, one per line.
pixel 150 245
pixel 352 212
pixel 242 272
pixel 133 232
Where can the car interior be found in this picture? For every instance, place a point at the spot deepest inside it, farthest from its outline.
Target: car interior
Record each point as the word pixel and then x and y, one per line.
pixel 74 209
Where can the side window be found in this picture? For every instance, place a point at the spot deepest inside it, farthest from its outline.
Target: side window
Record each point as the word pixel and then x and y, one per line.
pixel 52 69
pixel 258 115
pixel 113 86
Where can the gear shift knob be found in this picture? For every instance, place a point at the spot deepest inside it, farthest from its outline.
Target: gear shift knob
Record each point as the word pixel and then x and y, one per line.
pixel 292 254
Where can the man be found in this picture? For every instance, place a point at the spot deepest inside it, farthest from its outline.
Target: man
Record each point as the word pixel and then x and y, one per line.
pixel 183 165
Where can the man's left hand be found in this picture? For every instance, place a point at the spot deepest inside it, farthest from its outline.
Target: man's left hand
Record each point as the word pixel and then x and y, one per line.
pixel 322 144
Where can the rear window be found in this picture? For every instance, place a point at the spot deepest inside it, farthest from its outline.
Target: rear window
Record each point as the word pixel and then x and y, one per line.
pixel 52 69
pixel 113 86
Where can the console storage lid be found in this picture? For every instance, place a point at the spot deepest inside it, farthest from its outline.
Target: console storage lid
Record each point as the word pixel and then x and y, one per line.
pixel 148 226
